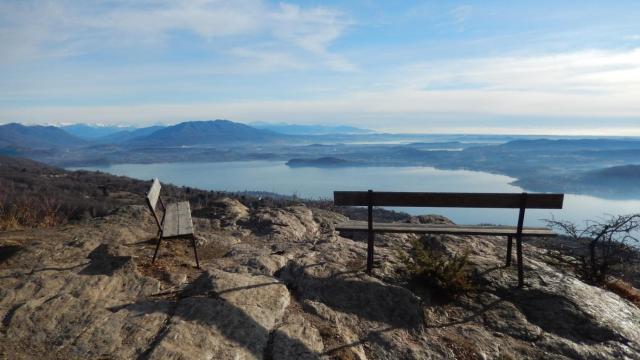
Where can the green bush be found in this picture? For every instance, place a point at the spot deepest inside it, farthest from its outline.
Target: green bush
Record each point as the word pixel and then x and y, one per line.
pixel 442 271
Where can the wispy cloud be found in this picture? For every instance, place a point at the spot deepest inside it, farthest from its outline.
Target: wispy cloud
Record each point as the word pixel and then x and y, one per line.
pixel 595 71
pixel 587 84
pixel 460 15
pixel 36 29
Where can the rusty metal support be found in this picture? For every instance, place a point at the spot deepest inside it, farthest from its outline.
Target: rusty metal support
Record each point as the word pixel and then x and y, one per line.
pixel 195 252
pixel 157 246
pixel 509 250
pixel 370 234
pixel 523 206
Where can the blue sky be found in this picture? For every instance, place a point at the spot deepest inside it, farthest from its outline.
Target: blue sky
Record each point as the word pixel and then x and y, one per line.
pixel 545 67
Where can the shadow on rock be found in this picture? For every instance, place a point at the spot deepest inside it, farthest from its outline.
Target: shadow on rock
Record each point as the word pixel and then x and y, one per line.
pixel 9 251
pixel 355 293
pixel 201 304
pixel 560 316
pixel 102 262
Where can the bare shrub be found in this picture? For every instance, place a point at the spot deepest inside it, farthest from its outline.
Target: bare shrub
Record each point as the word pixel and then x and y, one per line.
pixel 603 245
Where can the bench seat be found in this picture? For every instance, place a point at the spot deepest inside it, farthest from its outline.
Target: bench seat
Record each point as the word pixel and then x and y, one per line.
pixel 177 220
pixel 444 229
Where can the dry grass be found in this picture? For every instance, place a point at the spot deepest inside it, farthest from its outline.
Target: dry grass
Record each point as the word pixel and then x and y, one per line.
pixel 624 290
pixel 462 348
pixel 30 213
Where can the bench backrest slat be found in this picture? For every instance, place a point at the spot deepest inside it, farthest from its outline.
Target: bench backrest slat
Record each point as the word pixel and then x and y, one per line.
pixel 440 199
pixel 152 200
pixel 154 193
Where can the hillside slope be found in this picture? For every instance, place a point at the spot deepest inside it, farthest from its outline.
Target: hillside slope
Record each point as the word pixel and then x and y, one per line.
pixel 206 133
pixel 35 137
pixel 279 283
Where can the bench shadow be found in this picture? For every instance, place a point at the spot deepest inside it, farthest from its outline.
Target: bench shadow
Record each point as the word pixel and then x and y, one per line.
pixel 203 306
pixel 560 316
pixel 467 319
pixel 103 263
pixel 370 300
pixel 34 271
pixel 552 313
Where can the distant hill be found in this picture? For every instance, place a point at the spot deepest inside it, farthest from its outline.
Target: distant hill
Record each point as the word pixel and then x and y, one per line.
pixel 127 135
pixel 36 137
pixel 324 162
pixel 90 132
pixel 574 145
pixel 290 129
pixel 625 174
pixel 207 133
pixel 625 171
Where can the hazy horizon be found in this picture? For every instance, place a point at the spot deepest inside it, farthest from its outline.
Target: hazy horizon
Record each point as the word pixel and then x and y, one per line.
pixel 498 132
pixel 464 67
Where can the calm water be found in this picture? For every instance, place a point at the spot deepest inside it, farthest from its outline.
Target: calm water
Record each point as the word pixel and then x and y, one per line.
pixel 275 176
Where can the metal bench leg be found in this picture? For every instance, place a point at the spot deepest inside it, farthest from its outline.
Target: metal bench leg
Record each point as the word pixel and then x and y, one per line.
pixel 195 252
pixel 370 234
pixel 509 250
pixel 520 265
pixel 157 247
pixel 523 207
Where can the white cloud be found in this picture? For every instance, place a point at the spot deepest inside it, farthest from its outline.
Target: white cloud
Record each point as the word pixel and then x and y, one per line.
pixel 595 71
pixel 601 85
pixel 31 30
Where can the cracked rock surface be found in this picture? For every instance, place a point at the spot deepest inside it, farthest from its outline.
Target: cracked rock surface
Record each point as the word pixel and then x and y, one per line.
pixel 279 283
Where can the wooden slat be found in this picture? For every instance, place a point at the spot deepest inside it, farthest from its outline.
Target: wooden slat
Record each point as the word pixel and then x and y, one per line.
pixel 443 229
pixel 154 193
pixel 185 223
pixel 437 199
pixel 177 220
pixel 170 223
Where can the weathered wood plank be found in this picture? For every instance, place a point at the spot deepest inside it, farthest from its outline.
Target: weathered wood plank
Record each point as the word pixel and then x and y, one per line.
pixel 437 199
pixel 154 193
pixel 185 223
pixel 177 220
pixel 170 223
pixel 443 229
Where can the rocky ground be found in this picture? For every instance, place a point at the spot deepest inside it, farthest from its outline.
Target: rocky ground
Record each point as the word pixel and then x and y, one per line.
pixel 282 284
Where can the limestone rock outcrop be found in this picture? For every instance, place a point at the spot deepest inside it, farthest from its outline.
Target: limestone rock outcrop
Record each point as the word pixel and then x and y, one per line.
pixel 280 283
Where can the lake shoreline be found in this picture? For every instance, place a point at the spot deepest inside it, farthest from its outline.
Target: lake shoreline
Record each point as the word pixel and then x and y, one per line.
pixel 319 183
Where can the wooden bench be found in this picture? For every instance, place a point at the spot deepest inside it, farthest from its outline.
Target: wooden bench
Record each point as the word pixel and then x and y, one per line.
pixel 175 221
pixel 459 200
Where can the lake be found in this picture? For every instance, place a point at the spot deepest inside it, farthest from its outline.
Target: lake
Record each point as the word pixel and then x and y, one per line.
pixel 316 183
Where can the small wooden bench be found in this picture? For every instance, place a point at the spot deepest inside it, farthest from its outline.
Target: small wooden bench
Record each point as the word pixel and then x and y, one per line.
pixel 175 221
pixel 459 200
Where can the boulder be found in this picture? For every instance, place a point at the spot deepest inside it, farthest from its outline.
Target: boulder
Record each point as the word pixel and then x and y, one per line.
pixel 296 339
pixel 291 224
pixel 224 316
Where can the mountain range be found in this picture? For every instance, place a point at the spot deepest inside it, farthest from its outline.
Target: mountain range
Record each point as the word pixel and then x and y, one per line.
pixel 207 133
pixel 189 133
pixel 90 132
pixel 183 134
pixel 37 137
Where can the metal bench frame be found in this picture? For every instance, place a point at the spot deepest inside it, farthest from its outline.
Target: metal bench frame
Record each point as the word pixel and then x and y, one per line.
pixel 460 200
pixel 153 198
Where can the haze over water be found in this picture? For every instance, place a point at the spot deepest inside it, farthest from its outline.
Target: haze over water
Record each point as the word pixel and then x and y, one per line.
pixel 316 183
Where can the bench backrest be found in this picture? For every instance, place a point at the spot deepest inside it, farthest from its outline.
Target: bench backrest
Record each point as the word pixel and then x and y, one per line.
pixel 153 196
pixel 442 199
